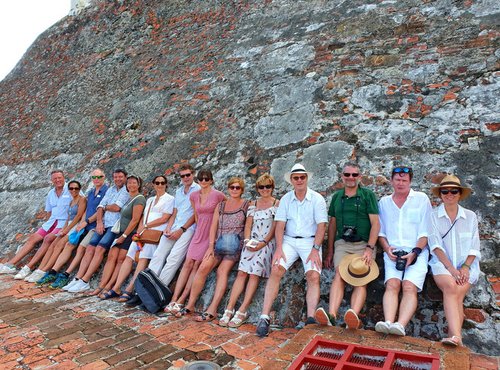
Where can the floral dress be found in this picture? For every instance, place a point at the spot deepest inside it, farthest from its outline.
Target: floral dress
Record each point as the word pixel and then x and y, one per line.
pixel 259 263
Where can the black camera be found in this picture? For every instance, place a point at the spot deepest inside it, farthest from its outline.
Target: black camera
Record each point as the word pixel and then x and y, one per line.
pixel 350 234
pixel 400 263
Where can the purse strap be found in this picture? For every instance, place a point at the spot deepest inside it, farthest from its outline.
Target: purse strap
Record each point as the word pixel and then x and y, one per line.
pixel 453 224
pixel 147 214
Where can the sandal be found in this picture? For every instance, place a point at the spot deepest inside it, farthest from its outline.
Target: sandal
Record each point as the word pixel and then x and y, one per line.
pixel 205 317
pixel 238 319
pixel 454 341
pixel 125 297
pixel 173 308
pixel 109 294
pixel 226 317
pixel 97 291
pixel 184 312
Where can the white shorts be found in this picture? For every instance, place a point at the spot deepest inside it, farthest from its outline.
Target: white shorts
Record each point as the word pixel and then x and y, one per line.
pixel 298 248
pixel 415 273
pixel 147 251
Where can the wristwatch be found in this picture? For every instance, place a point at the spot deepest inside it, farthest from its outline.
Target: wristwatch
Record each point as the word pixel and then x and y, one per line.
pixel 183 229
pixel 317 247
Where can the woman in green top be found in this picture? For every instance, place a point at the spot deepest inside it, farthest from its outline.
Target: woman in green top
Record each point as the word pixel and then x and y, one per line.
pixel 130 215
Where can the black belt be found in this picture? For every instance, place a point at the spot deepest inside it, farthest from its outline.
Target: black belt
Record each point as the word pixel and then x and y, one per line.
pixel 302 237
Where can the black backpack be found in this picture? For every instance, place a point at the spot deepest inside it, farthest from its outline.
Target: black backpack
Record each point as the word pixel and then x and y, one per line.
pixel 154 294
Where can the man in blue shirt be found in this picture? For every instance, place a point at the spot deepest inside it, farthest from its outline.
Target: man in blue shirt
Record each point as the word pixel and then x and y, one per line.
pixel 56 208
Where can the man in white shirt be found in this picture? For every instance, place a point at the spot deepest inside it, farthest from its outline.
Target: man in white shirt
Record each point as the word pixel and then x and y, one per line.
pixel 300 229
pixel 56 208
pixel 404 221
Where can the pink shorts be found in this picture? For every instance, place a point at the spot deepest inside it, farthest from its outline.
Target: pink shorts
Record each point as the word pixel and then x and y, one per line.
pixel 53 230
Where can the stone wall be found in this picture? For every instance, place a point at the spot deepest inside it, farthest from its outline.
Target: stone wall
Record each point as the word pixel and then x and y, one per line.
pixel 246 87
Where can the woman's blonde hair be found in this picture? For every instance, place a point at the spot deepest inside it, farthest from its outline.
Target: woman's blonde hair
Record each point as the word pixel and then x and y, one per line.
pixel 264 179
pixel 239 180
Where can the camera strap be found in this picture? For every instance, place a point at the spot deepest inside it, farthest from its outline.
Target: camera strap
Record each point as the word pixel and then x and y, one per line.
pixel 451 227
pixel 358 201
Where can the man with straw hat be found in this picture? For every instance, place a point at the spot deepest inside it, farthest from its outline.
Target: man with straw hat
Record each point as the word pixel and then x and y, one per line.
pixel 404 228
pixel 353 230
pixel 300 229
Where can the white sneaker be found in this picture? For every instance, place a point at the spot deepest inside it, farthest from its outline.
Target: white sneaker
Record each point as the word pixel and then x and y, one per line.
pixel 383 327
pixel 70 284
pixel 397 329
pixel 35 276
pixel 25 271
pixel 8 269
pixel 80 286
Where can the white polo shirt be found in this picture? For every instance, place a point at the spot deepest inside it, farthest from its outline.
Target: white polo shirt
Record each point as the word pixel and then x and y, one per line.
pixel 302 217
pixel 58 208
pixel 402 227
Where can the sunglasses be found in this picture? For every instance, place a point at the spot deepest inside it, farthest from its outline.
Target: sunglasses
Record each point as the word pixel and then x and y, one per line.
pixel 159 182
pixel 347 174
pixel 402 170
pixel 72 188
pixel 261 187
pixel 185 175
pixel 97 177
pixel 206 179
pixel 234 187
pixel 446 191
pixel 297 178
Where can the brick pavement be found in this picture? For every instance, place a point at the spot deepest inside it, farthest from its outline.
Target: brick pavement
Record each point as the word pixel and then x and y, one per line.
pixel 41 328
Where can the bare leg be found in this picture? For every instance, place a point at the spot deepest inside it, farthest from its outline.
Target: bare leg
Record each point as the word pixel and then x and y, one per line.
pixel 47 241
pixel 187 289
pixel 272 288
pixel 408 303
pixel 141 266
pixel 237 289
pixel 391 298
pixel 183 278
pixel 50 258
pixel 125 271
pixel 63 257
pixel 86 260
pixel 252 285
pixel 94 263
pixel 32 241
pixel 358 298
pixel 122 254
pixel 109 267
pixel 221 284
pixel 80 252
pixel 312 294
pixel 336 293
pixel 199 280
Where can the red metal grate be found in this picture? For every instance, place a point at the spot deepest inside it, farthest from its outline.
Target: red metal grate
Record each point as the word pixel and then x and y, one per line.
pixel 322 354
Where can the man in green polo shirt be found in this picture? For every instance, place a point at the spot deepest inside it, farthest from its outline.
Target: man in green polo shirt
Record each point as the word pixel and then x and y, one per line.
pixel 353 229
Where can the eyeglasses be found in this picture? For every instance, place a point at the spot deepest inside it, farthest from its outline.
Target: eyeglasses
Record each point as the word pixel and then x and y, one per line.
pixel 97 177
pixel 185 175
pixel 261 187
pixel 446 191
pixel 71 188
pixel 234 187
pixel 206 179
pixel 297 178
pixel 347 174
pixel 402 170
pixel 159 182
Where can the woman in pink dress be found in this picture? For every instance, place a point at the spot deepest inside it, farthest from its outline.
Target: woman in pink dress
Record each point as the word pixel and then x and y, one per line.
pixel 204 202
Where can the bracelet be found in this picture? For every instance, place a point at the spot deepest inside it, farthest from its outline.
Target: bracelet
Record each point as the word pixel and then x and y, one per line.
pixel 124 235
pixel 369 246
pixel 465 265
pixel 183 229
pixel 263 241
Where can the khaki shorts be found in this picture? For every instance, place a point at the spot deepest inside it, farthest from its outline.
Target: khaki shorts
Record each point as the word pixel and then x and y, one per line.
pixel 87 238
pixel 343 248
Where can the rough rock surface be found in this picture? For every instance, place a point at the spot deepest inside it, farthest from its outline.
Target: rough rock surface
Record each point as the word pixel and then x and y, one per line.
pixel 247 87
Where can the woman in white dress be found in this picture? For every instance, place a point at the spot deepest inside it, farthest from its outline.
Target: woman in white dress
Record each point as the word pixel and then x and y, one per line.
pixel 454 244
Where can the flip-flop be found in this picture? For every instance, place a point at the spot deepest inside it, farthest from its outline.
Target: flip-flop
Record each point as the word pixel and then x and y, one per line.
pixel 109 294
pixel 454 341
pixel 125 297
pixel 204 317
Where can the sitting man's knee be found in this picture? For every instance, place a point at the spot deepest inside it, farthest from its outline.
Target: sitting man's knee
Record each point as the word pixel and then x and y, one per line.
pixel 409 287
pixel 312 277
pixel 393 285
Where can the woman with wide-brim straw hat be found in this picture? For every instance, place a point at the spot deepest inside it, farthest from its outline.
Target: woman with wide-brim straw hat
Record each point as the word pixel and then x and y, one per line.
pixel 454 244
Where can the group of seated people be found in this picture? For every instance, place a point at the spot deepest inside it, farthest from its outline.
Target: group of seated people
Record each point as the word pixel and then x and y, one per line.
pixel 204 229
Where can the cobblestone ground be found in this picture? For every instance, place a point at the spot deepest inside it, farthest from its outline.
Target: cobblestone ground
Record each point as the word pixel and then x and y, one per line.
pixel 41 328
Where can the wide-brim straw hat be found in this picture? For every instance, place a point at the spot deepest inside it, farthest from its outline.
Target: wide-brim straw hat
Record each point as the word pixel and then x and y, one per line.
pixel 296 169
pixel 451 181
pixel 356 272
